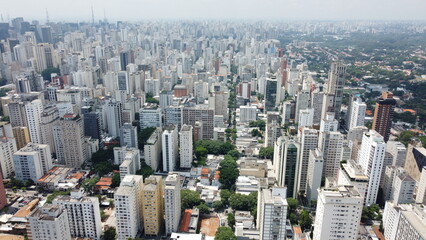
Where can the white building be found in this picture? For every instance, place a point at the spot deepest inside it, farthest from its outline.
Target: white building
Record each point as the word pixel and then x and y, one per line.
pixel 308 139
pixel 84 215
pixel 371 156
pixel 33 112
pixel 152 149
pixel 329 123
pixel 403 189
pixel 129 136
pixel 49 222
pixel 114 116
pixel 172 202
pixel 32 161
pixel 128 207
pixel 331 145
pixel 128 159
pixel 357 113
pixel 352 174
pixel 169 140
pixel 7 148
pixel 186 146
pixel 150 116
pixel 421 188
pixel 398 151
pixel 248 113
pixel 338 214
pixel 315 166
pixel 306 117
pixel 272 213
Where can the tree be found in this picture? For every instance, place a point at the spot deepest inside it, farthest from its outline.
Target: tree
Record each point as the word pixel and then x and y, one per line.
pixel 266 152
pixel 256 133
pixel 116 180
pixel 145 170
pixel 189 199
pixel 201 152
pixel 218 206
pixel 293 204
pixel 305 220
pixel 293 218
pixel 228 172
pixel 224 195
pixel 225 233
pixel 89 184
pixel 243 202
pixel 46 73
pixel 231 220
pixel 52 196
pixel 405 137
pixel 109 234
pixel 258 123
pixel 144 135
pixel 204 209
pixel 234 153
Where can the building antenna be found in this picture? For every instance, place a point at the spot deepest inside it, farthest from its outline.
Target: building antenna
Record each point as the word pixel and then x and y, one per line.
pixel 47 16
pixel 93 16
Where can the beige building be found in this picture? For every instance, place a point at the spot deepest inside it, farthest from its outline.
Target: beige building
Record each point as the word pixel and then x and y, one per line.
pixel 152 203
pixel 22 136
pixel 415 161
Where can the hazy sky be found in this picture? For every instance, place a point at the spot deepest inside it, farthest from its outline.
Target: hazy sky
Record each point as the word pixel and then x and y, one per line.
pixel 217 9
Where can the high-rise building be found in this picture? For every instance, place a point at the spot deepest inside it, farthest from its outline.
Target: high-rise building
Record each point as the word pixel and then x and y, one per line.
pixel 306 117
pixel 403 189
pixel 48 222
pixel 3 198
pixel 172 202
pixel 114 113
pixel 329 123
pixel 152 203
pixel 273 128
pixel 123 82
pixel 370 157
pixel 152 149
pixel 173 115
pixel 272 213
pixel 150 115
pixel 383 113
pixel 338 214
pixel 169 140
pixel 190 115
pixel 84 215
pixel 32 161
pixel 186 146
pixel 92 126
pixel 331 145
pixel 49 117
pixel 335 84
pixel 128 160
pixel 421 188
pixel 356 113
pixel 17 114
pixel 22 136
pixel 302 102
pixel 415 161
pixel 352 174
pixel 129 136
pixel 68 135
pixel 314 176
pixel 398 151
pixel 248 113
pixel 308 139
pixel 33 112
pixel 128 207
pixel 219 102
pixel 7 148
pixel 287 164
pixel 270 93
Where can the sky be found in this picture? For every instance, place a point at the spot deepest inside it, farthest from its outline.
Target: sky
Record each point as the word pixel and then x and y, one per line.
pixel 134 10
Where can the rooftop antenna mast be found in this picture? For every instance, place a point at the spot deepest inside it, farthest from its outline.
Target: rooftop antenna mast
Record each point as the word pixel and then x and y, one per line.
pixel 47 16
pixel 93 16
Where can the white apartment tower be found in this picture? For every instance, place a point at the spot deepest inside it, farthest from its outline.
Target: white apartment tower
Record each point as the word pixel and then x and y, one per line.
pixel 172 202
pixel 49 222
pixel 186 145
pixel 170 148
pixel 272 213
pixel 357 113
pixel 33 112
pixel 371 156
pixel 308 139
pixel 84 215
pixel 316 163
pixel 331 144
pixel 152 149
pixel 32 161
pixel 128 136
pixel 248 113
pixel 114 114
pixel 128 205
pixel 7 148
pixel 338 214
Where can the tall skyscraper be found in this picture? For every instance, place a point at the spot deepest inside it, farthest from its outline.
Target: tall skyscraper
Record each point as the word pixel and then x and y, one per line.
pixel 172 202
pixel 128 136
pixel 17 114
pixel 128 205
pixel 356 113
pixel 190 115
pixel 150 115
pixel 92 127
pixel 186 146
pixel 331 144
pixel 272 213
pixel 68 134
pixel 287 164
pixel 170 148
pixel 48 222
pixel 313 183
pixel 152 149
pixel 338 214
pixel 22 136
pixel 84 215
pixel 49 117
pixel 371 158
pixel 152 203
pixel 33 112
pixel 308 139
pixel 382 121
pixel 335 84
pixel 114 111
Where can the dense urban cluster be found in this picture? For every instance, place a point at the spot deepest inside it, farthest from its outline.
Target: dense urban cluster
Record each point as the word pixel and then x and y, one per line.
pixel 212 130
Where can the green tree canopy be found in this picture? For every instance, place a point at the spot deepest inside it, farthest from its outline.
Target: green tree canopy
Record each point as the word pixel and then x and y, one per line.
pixel 116 180
pixel 89 184
pixel 144 135
pixel 215 147
pixel 231 220
pixel 189 199
pixel 109 234
pixel 204 209
pixel 46 73
pixel 228 172
pixel 305 220
pixel 225 233
pixel 266 152
pixel 258 123
pixel 293 204
pixel 224 196
pixel 243 202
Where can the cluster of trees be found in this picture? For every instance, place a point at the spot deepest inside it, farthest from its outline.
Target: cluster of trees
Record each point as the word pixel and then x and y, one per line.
pixel 405 137
pixel 149 98
pixel 144 135
pixel 303 218
pixel 404 117
pixel 266 152
pixel 204 147
pixel 258 123
pixel 102 161
pixel 145 170
pixel 225 233
pixel 371 213
pixel 52 196
pixel 256 133
pixel 228 172
pixel 46 73
pixel 190 199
